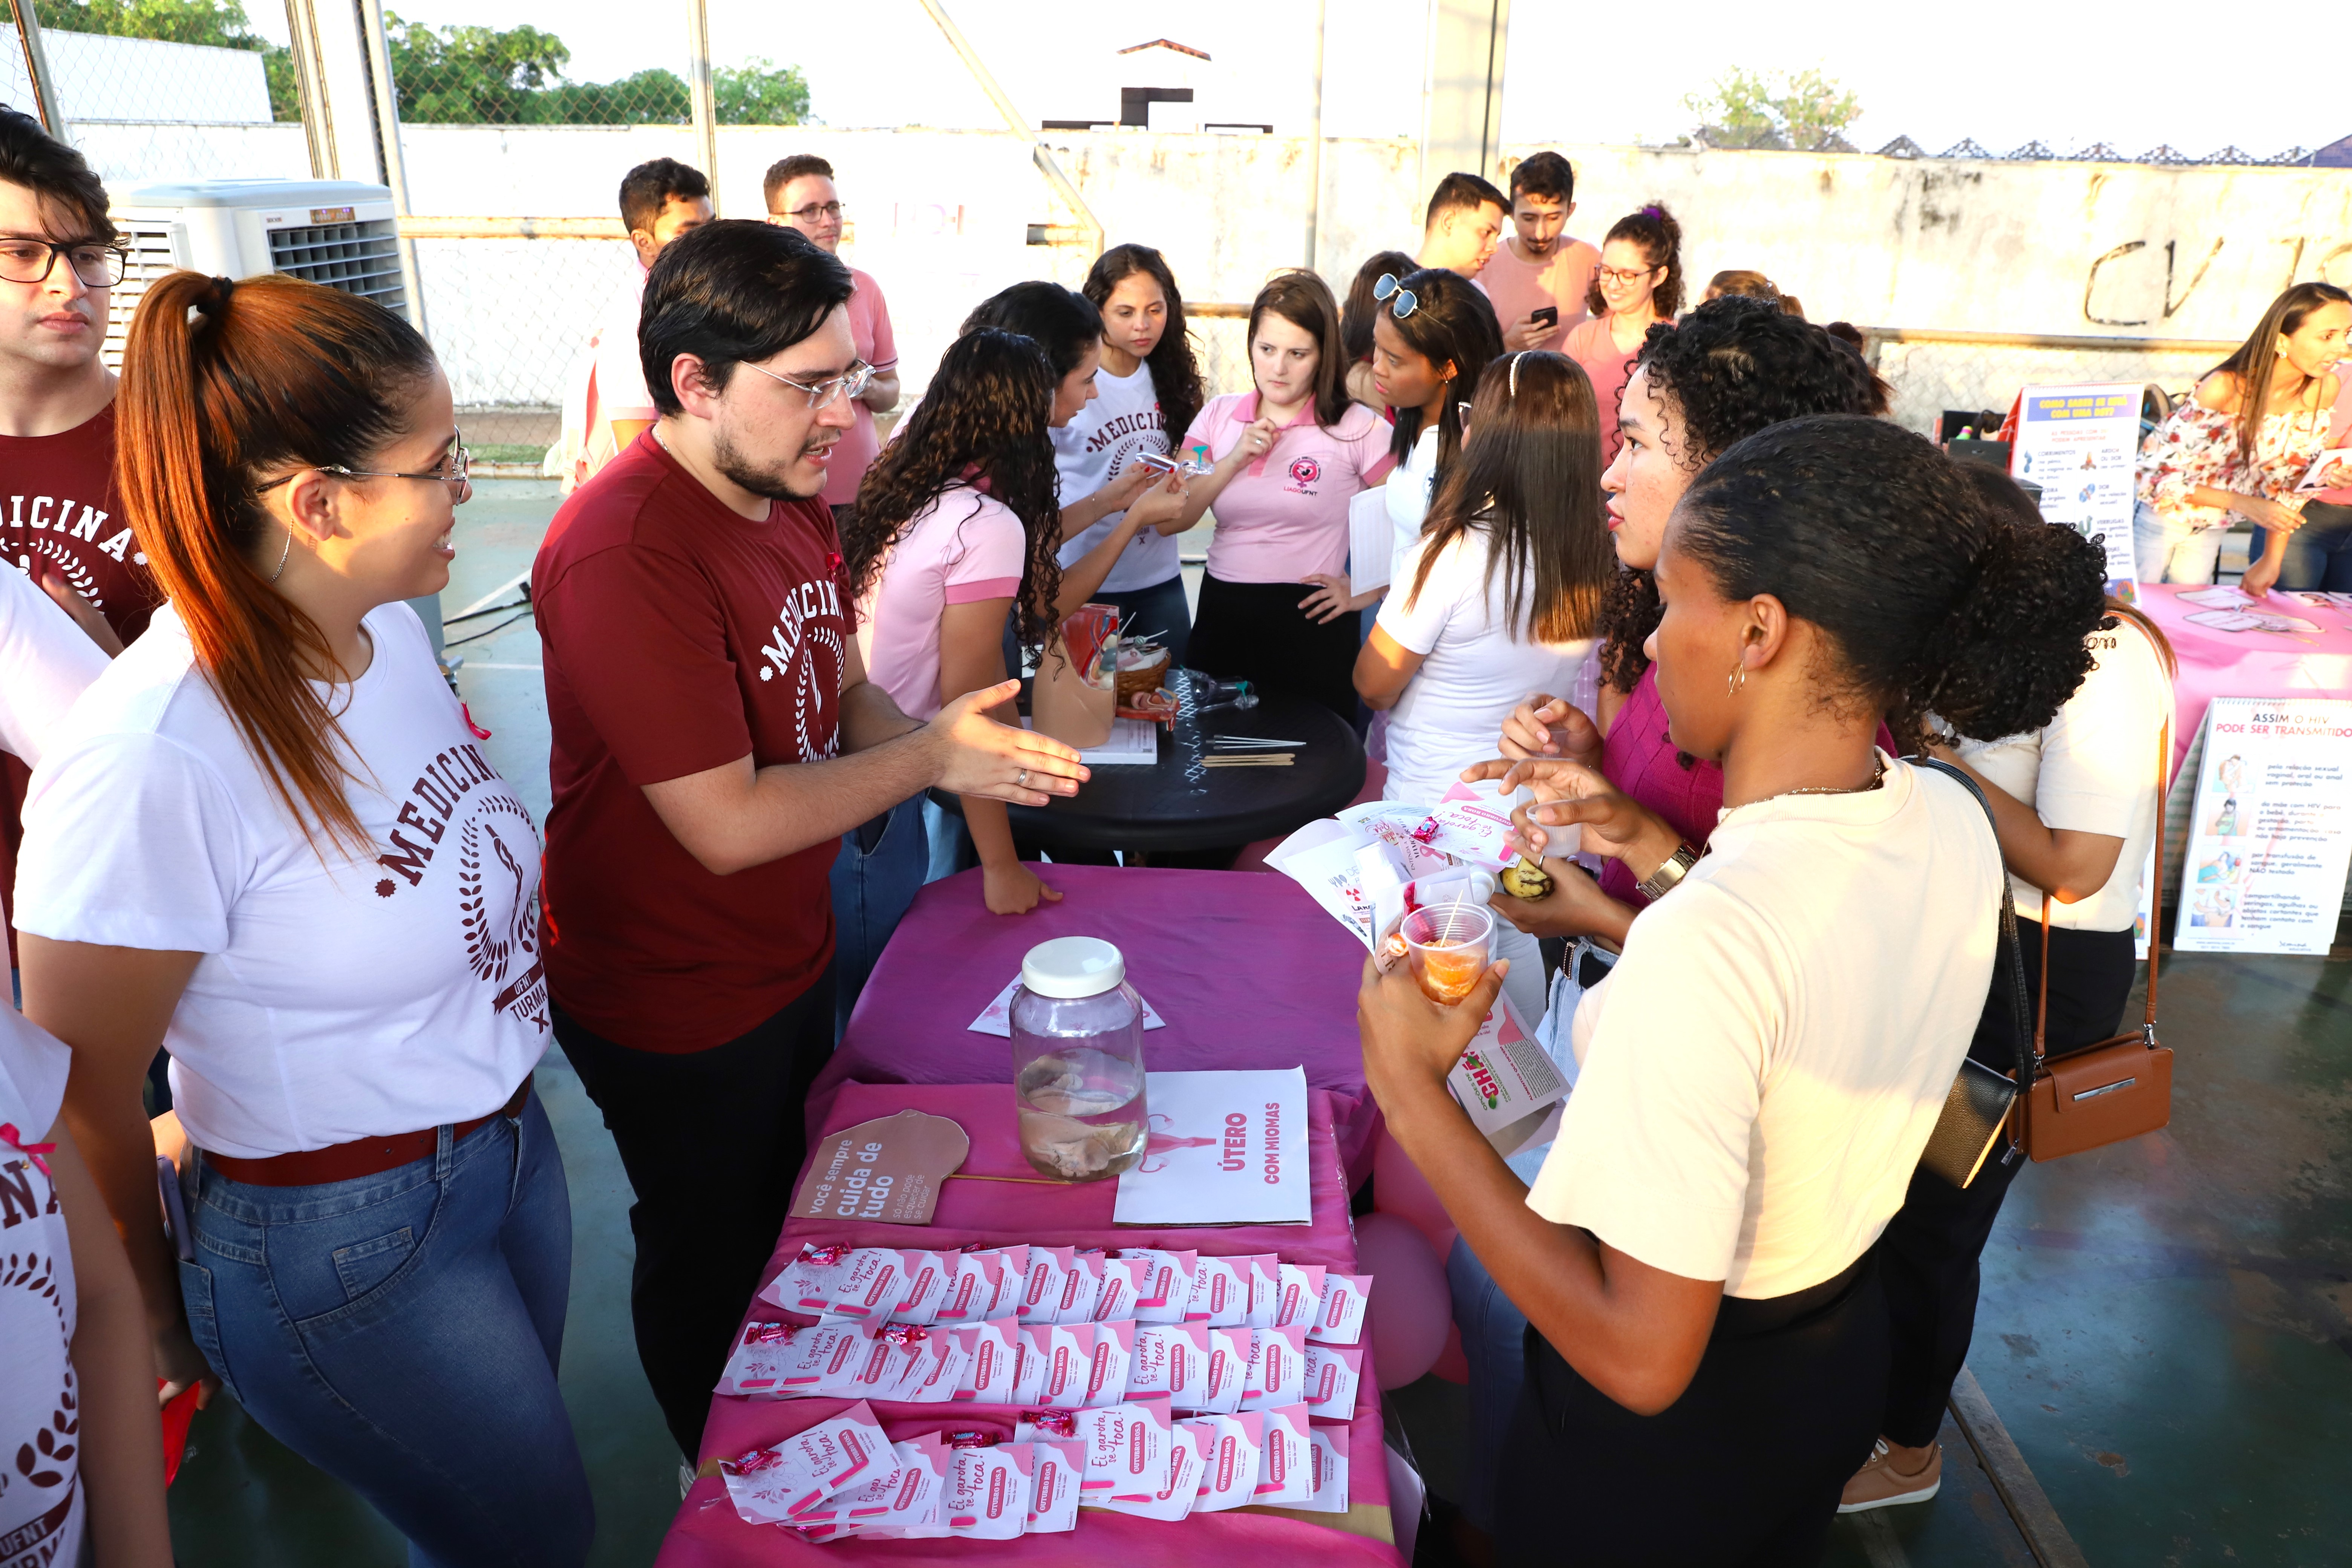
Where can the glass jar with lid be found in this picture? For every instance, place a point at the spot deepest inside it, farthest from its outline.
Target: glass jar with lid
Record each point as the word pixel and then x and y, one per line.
pixel 1078 1060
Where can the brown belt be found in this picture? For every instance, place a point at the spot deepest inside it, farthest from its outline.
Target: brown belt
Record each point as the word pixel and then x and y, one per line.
pixel 360 1157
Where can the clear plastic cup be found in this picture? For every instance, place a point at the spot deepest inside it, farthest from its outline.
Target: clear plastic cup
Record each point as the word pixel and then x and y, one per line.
pixel 1449 945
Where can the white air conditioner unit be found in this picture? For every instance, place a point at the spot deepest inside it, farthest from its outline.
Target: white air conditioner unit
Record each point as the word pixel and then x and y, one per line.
pixel 340 232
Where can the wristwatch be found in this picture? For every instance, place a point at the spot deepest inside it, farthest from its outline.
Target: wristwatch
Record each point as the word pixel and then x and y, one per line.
pixel 1667 878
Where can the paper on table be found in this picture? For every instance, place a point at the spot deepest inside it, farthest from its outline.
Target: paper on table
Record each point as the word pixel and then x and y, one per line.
pixel 1130 741
pixel 1227 1147
pixel 1371 541
pixel 996 1018
pixel 2220 597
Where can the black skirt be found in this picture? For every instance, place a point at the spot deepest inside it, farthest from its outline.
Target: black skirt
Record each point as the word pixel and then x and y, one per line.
pixel 1257 632
pixel 1743 1471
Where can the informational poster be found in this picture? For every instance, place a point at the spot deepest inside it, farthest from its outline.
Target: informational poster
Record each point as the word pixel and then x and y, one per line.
pixel 2271 835
pixel 1227 1147
pixel 2081 445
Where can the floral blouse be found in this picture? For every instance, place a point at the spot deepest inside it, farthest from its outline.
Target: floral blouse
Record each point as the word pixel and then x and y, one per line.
pixel 2198 446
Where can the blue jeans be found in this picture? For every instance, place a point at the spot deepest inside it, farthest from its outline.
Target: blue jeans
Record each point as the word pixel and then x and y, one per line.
pixel 2319 553
pixel 1494 1335
pixel 881 864
pixel 400 1331
pixel 2165 555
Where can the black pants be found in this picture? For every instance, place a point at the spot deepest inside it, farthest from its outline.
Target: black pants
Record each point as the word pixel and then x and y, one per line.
pixel 1744 1469
pixel 712 1141
pixel 1159 608
pixel 1257 632
pixel 1930 1251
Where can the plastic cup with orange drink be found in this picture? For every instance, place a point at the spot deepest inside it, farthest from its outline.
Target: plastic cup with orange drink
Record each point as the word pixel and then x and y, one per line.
pixel 1448 944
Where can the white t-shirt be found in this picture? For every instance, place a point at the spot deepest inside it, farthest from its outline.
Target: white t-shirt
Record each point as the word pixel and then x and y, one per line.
pixel 608 384
pixel 2092 769
pixel 1408 490
pixel 41 1509
pixel 1475 666
pixel 1093 448
pixel 46 661
pixel 1763 1067
pixel 398 992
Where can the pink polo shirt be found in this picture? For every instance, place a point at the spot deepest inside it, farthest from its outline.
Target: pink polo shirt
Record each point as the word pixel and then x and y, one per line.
pixel 962 547
pixel 1590 346
pixel 1286 516
pixel 869 328
pixel 1562 278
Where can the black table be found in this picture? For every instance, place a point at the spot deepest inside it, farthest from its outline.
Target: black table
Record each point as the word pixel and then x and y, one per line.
pixel 1177 804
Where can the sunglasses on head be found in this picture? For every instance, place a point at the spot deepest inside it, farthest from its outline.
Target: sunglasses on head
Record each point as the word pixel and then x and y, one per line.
pixel 1387 288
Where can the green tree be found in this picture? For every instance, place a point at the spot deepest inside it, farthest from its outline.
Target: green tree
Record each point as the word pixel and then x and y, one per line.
pixel 757 94
pixel 222 24
pixel 471 76
pixel 1806 110
pixel 650 97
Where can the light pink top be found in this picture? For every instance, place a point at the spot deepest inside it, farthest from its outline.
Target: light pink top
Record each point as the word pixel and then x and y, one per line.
pixel 1286 516
pixel 869 328
pixel 1590 345
pixel 1562 278
pixel 963 547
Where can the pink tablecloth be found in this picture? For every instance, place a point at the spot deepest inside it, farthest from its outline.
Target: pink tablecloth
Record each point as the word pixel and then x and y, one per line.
pixel 1244 967
pixel 2247 663
pixel 708 1534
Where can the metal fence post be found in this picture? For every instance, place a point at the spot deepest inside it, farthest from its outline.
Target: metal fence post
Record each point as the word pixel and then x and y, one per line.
pixel 1315 147
pixel 36 66
pixel 387 127
pixel 310 83
pixel 705 99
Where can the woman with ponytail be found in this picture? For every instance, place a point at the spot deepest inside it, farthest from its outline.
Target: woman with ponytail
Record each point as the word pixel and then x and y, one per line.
pixel 1638 286
pixel 268 838
pixel 1759 1076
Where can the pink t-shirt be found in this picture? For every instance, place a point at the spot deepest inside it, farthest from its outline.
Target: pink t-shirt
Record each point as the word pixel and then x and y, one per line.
pixel 2339 428
pixel 869 328
pixel 1286 516
pixel 1591 346
pixel 1561 278
pixel 962 547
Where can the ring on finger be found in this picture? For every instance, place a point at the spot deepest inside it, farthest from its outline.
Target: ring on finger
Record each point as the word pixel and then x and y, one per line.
pixel 1021 779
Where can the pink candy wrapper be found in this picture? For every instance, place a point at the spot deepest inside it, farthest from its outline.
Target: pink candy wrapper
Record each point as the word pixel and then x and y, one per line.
pixel 1122 1282
pixel 1166 1289
pixel 1342 1321
pixel 869 1284
pixel 806 1284
pixel 1046 1426
pixel 1328 1454
pixel 1171 1359
pixel 1477 833
pixel 1286 1469
pixel 1057 1468
pixel 996 1348
pixel 987 1496
pixel 756 1365
pixel 1300 1300
pixel 1229 1365
pixel 1220 1292
pixel 1277 1374
pixel 1265 1288
pixel 778 1484
pixel 1049 1276
pixel 1229 1470
pixel 1330 1383
pixel 1081 1289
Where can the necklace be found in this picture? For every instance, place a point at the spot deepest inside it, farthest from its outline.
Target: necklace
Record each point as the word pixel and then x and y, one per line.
pixel 1877 777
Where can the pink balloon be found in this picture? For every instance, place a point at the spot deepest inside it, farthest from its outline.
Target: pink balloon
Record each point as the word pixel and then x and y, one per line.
pixel 1399 1188
pixel 1410 1310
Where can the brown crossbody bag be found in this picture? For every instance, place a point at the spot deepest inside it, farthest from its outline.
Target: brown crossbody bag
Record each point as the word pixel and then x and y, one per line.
pixel 2115 1088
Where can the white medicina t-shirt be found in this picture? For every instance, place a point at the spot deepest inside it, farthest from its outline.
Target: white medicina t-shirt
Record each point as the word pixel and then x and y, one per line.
pixel 1763 1067
pixel 1408 490
pixel 2092 769
pixel 336 998
pixel 46 661
pixel 1122 423
pixel 1475 665
pixel 42 1506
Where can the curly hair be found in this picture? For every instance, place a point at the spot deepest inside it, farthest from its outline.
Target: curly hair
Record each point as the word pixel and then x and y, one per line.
pixel 1176 379
pixel 1656 230
pixel 1734 366
pixel 1933 601
pixel 983 415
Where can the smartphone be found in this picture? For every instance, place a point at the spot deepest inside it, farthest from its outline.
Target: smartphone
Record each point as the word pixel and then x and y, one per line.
pixel 175 1210
pixel 1545 315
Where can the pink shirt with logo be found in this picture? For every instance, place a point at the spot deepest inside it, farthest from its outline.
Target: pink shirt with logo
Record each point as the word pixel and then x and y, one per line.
pixel 963 547
pixel 1563 279
pixel 1284 517
pixel 878 345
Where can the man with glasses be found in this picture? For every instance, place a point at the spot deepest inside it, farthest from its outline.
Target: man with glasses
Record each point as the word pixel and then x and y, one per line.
pixel 714 735
pixel 607 406
pixel 801 195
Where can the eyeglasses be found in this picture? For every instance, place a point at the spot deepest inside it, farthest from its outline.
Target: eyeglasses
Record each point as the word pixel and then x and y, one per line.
pixel 1626 274
pixel 451 472
pixel 825 393
pixel 1407 301
pixel 24 260
pixel 814 211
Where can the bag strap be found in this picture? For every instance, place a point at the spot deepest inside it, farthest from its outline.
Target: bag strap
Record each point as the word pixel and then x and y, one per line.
pixel 2156 894
pixel 2008 916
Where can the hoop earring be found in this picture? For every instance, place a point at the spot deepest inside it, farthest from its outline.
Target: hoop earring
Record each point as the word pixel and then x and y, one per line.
pixel 1739 678
pixel 283 554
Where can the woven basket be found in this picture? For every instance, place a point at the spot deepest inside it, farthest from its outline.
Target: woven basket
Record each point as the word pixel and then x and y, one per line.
pixel 1143 677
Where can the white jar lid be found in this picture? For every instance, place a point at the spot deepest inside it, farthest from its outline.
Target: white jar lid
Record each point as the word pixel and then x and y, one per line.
pixel 1073 966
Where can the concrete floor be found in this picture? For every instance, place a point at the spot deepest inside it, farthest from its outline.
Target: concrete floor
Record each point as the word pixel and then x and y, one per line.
pixel 2166 1330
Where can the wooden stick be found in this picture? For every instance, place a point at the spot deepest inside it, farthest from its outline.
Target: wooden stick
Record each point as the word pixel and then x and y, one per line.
pixel 1025 1181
